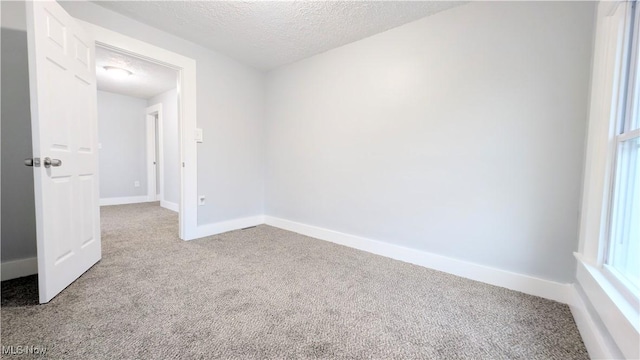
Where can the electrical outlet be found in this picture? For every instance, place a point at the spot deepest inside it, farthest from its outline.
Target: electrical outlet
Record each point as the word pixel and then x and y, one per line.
pixel 201 200
pixel 136 183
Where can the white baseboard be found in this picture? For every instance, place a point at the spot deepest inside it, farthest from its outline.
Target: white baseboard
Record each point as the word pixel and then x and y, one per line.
pixel 225 226
pixel 170 205
pixel 18 268
pixel 598 344
pixel 124 200
pixel 510 280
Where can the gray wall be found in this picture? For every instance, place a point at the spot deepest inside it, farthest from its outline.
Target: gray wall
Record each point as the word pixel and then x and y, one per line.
pixel 230 111
pixel 122 136
pixel 18 209
pixel 171 151
pixel 460 134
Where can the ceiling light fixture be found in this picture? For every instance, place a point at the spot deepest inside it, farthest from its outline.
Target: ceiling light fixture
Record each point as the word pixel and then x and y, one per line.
pixel 117 72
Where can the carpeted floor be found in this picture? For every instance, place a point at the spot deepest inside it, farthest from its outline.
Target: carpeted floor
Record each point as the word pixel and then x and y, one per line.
pixel 265 293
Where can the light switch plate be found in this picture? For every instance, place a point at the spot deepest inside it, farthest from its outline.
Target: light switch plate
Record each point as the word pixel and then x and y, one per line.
pixel 199 135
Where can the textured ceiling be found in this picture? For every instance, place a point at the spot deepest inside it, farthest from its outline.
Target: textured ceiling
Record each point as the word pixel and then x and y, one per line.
pixel 147 79
pixel 268 34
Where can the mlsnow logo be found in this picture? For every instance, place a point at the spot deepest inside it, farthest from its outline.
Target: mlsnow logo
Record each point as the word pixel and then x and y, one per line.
pixel 24 350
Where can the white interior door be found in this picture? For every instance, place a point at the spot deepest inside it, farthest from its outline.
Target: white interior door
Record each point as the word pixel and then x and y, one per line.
pixel 152 158
pixel 64 123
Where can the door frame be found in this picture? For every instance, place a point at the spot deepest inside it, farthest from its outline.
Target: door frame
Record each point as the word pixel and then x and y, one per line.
pixel 186 89
pixel 155 189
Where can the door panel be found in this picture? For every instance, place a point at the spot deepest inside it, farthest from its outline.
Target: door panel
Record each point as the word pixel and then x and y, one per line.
pixel 64 123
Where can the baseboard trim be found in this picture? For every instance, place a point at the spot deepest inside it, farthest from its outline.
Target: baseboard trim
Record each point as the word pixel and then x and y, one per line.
pixel 226 226
pixel 593 335
pixel 18 268
pixel 123 200
pixel 524 283
pixel 170 205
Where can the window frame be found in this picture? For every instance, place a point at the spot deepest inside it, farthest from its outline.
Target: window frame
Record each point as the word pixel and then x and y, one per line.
pixel 628 80
pixel 612 325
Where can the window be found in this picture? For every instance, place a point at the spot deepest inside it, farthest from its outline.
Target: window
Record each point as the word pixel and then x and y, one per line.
pixel 623 252
pixel 608 269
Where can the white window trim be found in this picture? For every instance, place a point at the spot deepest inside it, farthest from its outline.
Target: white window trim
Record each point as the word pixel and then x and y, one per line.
pixel 617 311
pixel 623 286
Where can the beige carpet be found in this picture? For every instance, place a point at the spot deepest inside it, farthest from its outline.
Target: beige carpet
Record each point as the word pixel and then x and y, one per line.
pixel 265 293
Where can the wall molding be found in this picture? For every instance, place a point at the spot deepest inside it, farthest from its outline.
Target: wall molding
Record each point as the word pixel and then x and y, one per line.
pixel 524 283
pixel 18 268
pixel 123 200
pixel 170 205
pixel 229 225
pixel 564 293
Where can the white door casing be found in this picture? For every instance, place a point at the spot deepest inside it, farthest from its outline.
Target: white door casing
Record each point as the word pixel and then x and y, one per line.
pixel 64 123
pixel 186 67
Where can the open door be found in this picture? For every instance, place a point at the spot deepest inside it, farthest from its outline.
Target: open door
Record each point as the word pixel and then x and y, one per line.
pixel 64 123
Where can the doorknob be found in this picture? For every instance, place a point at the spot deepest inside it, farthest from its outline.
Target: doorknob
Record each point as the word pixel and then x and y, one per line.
pixel 48 162
pixel 32 162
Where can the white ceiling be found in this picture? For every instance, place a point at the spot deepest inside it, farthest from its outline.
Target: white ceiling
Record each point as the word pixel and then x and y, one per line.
pixel 147 79
pixel 267 34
